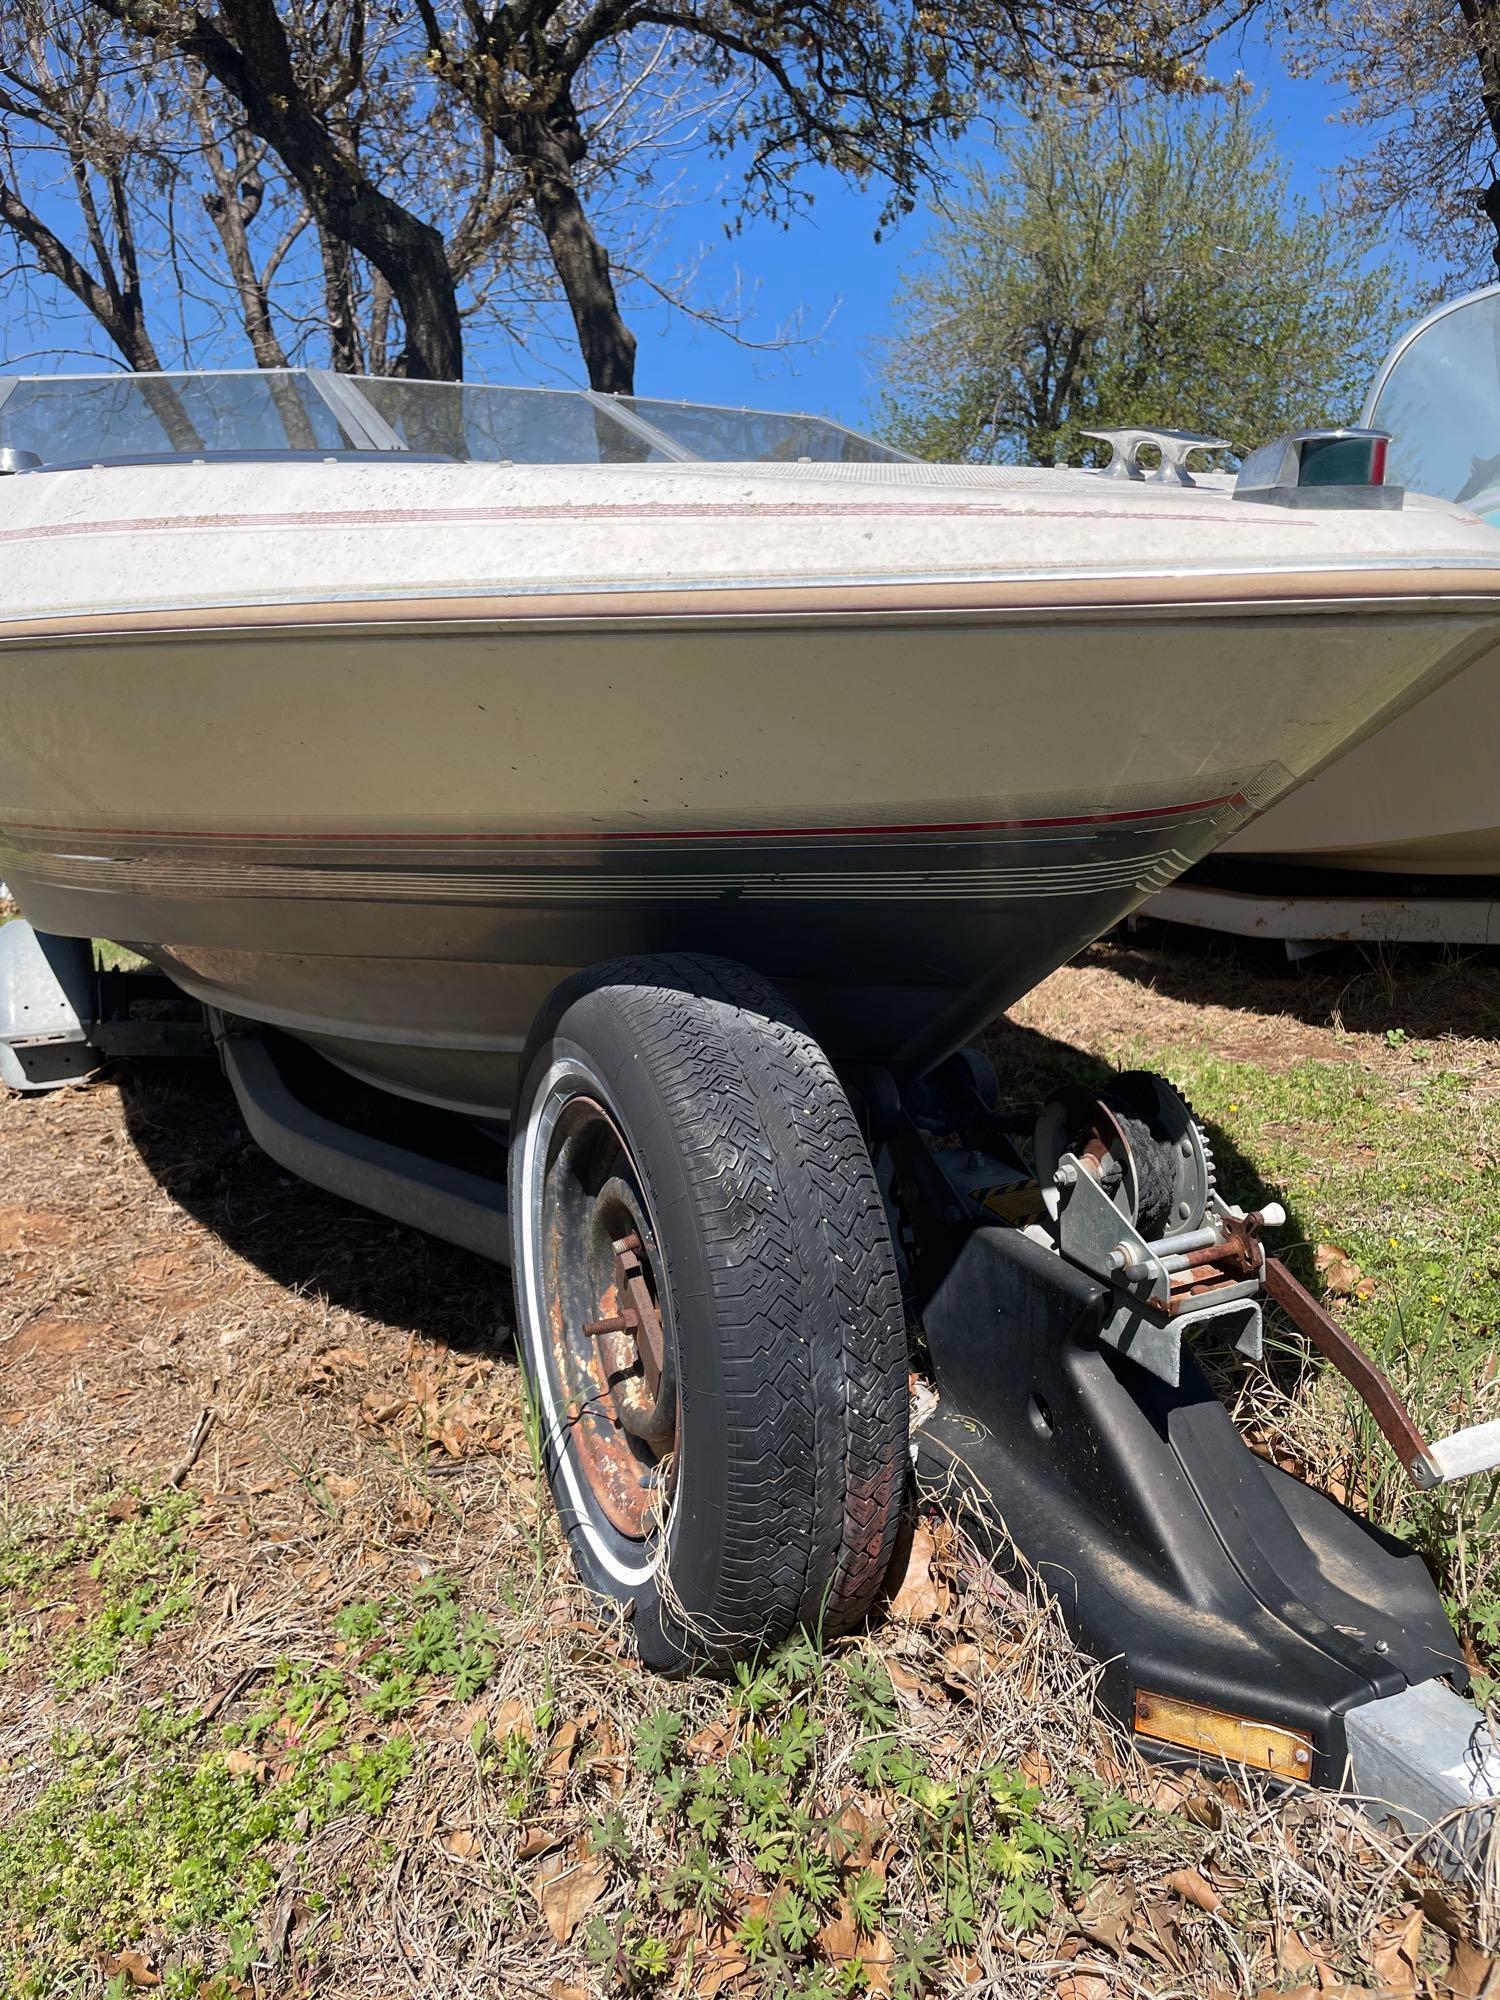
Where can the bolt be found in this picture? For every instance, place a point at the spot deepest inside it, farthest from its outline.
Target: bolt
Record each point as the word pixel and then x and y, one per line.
pixel 1065 1177
pixel 1382 1645
pixel 625 1322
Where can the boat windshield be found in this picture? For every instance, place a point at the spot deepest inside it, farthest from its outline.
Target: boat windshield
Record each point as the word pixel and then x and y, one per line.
pixel 1439 397
pixel 111 419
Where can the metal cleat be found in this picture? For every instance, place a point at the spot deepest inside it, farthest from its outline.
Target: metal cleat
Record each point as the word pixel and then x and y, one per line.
pixel 1127 443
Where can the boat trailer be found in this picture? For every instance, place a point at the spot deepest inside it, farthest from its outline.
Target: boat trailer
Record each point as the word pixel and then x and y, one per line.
pixel 1058 1269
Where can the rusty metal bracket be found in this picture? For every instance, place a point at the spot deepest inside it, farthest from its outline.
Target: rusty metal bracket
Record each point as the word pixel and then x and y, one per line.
pixel 1427 1465
pixel 653 1417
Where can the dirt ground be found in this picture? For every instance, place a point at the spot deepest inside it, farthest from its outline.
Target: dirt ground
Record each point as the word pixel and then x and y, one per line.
pixel 338 1398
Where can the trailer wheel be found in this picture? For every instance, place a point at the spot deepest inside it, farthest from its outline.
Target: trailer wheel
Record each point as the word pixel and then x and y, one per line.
pixel 708 1308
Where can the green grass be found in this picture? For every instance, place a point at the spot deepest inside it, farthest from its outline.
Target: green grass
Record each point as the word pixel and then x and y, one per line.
pixel 720 1821
pixel 129 1562
pixel 111 957
pixel 157 1828
pixel 115 958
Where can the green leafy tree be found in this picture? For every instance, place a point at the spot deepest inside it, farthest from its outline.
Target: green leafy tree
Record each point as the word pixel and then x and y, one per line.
pixel 1139 268
pixel 1419 82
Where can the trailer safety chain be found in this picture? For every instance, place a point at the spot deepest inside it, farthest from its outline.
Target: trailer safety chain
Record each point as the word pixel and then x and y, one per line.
pixel 1459 1456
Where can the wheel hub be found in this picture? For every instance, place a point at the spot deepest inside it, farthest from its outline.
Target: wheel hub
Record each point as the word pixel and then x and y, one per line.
pixel 610 1340
pixel 642 1381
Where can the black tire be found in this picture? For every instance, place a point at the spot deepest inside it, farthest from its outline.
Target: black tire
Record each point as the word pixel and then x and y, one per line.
pixel 777 1284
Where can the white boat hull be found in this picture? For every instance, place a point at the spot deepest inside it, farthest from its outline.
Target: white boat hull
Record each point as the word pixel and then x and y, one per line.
pixel 1421 797
pixel 389 820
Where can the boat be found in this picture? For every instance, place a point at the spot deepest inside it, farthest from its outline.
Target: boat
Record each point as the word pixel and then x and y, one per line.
pixel 1399 839
pixel 376 745
pixel 596 831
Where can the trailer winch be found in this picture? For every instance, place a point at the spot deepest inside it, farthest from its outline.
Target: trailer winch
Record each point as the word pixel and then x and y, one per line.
pixel 1237 1612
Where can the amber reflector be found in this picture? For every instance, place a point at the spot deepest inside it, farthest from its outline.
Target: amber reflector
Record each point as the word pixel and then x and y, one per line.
pixel 1215 1732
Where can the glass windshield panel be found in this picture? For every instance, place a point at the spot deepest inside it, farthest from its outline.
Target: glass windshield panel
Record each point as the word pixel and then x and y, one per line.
pixel 65 419
pixel 743 435
pixel 526 426
pixel 1441 404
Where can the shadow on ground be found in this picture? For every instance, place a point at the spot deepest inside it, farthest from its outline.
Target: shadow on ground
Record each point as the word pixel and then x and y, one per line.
pixel 185 1124
pixel 1424 990
pixel 1030 1064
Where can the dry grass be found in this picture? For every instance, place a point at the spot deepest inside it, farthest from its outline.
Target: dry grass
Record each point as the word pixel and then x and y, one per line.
pixel 351 1676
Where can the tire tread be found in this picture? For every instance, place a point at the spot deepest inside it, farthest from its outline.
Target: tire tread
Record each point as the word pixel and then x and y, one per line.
pixel 806 1298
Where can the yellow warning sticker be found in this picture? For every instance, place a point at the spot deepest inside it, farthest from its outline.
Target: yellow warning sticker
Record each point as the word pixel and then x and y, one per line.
pixel 1018 1202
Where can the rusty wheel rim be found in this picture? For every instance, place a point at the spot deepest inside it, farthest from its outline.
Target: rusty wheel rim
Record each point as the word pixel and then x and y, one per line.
pixel 608 1327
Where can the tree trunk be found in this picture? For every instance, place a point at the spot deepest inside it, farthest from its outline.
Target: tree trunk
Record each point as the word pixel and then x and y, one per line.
pixel 115 305
pixel 243 46
pixel 1489 201
pixel 1482 19
pixel 338 293
pixel 581 260
pixel 378 326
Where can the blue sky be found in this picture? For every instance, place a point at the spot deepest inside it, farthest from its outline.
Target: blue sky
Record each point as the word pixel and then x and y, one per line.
pixel 826 266
pixel 829 264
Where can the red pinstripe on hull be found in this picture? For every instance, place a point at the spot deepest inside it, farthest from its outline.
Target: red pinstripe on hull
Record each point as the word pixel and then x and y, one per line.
pixel 588 510
pixel 925 830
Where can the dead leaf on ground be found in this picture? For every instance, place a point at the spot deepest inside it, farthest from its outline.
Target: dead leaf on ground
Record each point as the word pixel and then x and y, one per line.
pixel 1441 1909
pixel 865 1834
pixel 567 1886
pixel 412 1518
pixel 1294 1958
pixel 512 1718
pixel 845 1944
pixel 711 1741
pixel 715 1970
pixel 462 1843
pixel 136 1968
pixel 563 1745
pixel 1334 1989
pixel 1471 1974
pixel 964 1666
pixel 244 1764
pixel 910 1685
pixel 1193 1888
pixel 1340 1274
pixel 606 1757
pixel 1396 1950
pixel 324 1370
pixel 1083 1983
pixel 918 1598
pixel 1165 1928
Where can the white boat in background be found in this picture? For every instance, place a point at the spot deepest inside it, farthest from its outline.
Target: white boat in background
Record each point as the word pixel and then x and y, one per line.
pixel 1399 839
